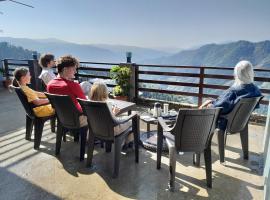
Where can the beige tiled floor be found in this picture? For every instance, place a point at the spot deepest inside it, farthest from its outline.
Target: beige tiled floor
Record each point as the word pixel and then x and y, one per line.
pixel 29 174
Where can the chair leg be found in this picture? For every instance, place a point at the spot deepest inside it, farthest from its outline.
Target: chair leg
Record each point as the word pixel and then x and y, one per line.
pixel 172 157
pixel 221 144
pixel 135 129
pixel 208 166
pixel 117 152
pixel 83 133
pixel 59 135
pixel 196 159
pixel 244 141
pixel 90 150
pixel 108 146
pixel 38 132
pixel 76 135
pixel 52 121
pixel 159 145
pixel 29 127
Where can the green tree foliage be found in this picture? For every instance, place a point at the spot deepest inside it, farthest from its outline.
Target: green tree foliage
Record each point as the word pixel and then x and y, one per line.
pixel 10 51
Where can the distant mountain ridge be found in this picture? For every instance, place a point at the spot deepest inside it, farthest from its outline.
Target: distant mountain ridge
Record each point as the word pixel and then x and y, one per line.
pixel 87 52
pixel 223 55
pixel 11 51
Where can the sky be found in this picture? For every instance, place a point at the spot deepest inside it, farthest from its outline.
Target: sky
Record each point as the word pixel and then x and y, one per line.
pixel 144 23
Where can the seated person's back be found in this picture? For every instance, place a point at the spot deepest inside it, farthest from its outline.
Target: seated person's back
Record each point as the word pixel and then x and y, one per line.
pixel 243 87
pixel 64 84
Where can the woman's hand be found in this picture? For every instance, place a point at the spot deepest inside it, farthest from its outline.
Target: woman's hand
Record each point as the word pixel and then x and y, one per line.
pixel 206 104
pixel 115 110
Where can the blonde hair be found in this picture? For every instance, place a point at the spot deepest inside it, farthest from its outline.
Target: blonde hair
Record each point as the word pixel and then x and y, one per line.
pixel 243 73
pixel 99 92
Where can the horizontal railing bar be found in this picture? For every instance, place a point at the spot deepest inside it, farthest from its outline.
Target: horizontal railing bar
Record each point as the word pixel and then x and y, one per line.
pixel 215 76
pixel 263 79
pixel 94 69
pixel 221 87
pixel 168 83
pixel 12 59
pixel 99 63
pixel 93 76
pixel 169 73
pixel 169 92
pixel 198 67
pixel 18 64
pixel 265 91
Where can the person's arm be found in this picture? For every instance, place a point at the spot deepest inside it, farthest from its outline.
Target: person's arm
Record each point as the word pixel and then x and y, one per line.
pixel 77 91
pixel 40 94
pixel 113 108
pixel 206 103
pixel 39 102
pixel 226 101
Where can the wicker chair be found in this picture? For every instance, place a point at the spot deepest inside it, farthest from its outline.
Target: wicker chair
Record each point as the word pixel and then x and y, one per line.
pixel 237 121
pixel 101 126
pixel 192 132
pixel 67 117
pixel 33 120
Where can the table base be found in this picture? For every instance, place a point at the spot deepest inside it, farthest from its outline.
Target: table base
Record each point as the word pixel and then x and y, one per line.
pixel 149 141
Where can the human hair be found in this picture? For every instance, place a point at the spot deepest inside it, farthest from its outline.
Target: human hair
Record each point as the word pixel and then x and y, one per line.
pixel 99 92
pixel 45 59
pixel 243 73
pixel 18 74
pixel 66 61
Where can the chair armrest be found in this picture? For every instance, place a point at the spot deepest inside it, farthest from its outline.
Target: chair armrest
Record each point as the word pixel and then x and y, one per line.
pixel 122 121
pixel 164 126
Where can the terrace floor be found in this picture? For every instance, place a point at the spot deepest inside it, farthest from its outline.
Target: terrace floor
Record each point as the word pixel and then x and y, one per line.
pixel 29 174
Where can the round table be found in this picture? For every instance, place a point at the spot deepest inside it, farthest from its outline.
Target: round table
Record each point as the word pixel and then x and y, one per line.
pixel 149 138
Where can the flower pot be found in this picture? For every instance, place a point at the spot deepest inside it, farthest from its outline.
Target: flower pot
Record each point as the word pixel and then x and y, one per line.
pixel 123 98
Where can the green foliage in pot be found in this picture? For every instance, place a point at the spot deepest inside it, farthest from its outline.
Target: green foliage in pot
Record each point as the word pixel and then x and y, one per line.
pixel 121 75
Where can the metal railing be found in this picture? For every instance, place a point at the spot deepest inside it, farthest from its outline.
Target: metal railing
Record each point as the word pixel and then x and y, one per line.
pixel 193 81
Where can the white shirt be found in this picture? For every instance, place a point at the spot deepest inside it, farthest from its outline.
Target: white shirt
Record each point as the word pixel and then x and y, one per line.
pixel 47 75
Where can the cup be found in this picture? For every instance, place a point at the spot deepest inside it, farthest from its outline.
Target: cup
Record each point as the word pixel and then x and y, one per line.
pixel 166 108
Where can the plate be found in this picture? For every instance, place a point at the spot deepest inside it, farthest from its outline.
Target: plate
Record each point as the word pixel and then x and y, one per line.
pixel 169 115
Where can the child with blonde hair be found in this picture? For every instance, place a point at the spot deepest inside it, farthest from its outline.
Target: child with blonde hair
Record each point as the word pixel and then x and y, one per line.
pixel 99 92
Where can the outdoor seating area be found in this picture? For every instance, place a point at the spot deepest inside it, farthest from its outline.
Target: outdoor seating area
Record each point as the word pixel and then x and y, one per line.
pixel 81 146
pixel 40 174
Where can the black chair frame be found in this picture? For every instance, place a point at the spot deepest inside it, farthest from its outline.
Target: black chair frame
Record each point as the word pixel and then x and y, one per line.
pixel 33 120
pixel 101 126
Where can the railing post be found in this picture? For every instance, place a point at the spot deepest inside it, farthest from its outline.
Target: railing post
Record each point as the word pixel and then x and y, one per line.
pixel 136 83
pixel 133 78
pixel 35 70
pixel 6 71
pixel 200 97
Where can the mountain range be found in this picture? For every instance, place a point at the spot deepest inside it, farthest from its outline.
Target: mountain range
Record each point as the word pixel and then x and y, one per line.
pixel 86 52
pixel 223 55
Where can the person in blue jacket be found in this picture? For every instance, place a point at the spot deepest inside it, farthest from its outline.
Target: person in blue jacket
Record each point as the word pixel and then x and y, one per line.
pixel 243 87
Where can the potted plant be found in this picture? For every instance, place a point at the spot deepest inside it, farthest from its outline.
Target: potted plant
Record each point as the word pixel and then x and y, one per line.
pixel 121 75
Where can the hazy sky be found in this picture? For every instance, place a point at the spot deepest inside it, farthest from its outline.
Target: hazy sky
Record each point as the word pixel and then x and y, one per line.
pixel 147 23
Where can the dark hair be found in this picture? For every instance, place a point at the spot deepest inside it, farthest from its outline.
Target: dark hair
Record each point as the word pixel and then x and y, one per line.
pixel 66 61
pixel 45 59
pixel 18 74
